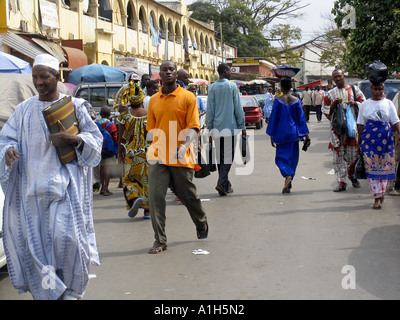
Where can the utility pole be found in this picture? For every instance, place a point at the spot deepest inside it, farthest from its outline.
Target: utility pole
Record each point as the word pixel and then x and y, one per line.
pixel 166 42
pixel 222 42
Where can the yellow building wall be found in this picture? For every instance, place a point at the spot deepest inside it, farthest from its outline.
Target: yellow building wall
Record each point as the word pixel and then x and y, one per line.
pixel 103 39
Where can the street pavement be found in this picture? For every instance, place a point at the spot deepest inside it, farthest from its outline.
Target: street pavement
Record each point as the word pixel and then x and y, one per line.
pixel 263 245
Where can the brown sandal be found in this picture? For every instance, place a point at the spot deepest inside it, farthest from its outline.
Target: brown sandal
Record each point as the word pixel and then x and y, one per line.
pixel 158 248
pixel 288 185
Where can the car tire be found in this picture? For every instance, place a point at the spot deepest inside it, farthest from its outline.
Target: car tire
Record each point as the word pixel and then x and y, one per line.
pixel 258 125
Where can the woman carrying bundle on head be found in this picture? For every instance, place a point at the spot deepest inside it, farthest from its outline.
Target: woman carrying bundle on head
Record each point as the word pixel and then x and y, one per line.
pixel 375 121
pixel 287 126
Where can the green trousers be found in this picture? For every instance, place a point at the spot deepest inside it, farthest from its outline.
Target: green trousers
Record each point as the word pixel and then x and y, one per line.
pixel 161 177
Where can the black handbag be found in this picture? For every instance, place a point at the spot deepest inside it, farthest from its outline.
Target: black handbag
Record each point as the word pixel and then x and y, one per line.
pixel 212 167
pixel 360 169
pixel 245 149
pixel 204 171
pixel 339 120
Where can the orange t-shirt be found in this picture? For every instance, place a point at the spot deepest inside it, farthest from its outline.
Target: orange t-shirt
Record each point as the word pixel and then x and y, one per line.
pixel 167 118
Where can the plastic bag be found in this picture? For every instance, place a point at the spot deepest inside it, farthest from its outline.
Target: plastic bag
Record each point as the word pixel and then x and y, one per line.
pixel 360 169
pixel 339 122
pixel 377 72
pixel 351 123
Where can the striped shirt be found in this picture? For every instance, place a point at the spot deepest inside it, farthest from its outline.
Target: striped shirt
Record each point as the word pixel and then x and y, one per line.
pixel 346 94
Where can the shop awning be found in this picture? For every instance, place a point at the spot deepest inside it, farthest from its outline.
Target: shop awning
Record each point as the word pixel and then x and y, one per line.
pixel 76 58
pixel 52 48
pixel 23 46
pixel 314 84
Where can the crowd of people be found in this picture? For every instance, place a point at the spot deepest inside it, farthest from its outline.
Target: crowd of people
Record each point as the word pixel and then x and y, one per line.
pixel 48 223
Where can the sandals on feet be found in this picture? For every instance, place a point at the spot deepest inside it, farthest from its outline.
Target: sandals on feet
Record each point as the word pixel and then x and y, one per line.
pixel 340 188
pixel 377 206
pixel 133 211
pixel 158 248
pixel 202 233
pixel 287 186
pixel 146 214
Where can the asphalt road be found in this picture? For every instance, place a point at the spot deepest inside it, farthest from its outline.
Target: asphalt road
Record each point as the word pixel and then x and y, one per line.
pixel 310 244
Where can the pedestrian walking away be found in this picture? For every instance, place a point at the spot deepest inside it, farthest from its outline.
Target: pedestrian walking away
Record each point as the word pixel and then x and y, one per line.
pixel 286 127
pixel 225 120
pixel 48 233
pixel 173 126
pixel 345 149
pixel 306 98
pixel 375 121
pixel 317 100
pixel 268 102
pixel 132 149
pixel 109 150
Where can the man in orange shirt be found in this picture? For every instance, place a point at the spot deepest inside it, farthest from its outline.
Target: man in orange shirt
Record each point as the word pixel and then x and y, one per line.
pixel 173 125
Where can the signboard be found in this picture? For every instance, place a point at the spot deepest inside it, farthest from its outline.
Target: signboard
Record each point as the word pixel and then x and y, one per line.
pixel 244 61
pixel 126 61
pixel 49 14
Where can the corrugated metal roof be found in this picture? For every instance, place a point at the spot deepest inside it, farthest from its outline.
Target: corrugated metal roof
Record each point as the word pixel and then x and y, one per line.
pixel 23 46
pixel 51 47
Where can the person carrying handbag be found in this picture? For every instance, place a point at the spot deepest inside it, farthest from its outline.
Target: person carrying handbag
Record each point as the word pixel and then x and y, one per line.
pixel 345 149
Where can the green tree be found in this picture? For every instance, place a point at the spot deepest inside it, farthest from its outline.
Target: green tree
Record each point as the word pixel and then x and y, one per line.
pixel 376 35
pixel 246 24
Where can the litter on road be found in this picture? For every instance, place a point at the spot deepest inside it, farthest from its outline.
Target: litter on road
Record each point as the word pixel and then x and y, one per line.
pixel 200 252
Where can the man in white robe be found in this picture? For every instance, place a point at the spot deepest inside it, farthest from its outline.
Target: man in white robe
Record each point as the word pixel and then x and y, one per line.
pixel 48 229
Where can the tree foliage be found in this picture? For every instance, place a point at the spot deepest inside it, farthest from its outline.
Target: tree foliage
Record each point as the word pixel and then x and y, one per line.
pixel 248 25
pixel 376 35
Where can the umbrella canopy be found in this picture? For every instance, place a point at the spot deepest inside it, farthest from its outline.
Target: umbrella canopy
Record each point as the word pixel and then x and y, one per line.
pixel 285 71
pixel 240 83
pixel 12 64
pixel 130 70
pixel 97 73
pixel 71 87
pixel 257 81
pixel 200 82
pixel 156 76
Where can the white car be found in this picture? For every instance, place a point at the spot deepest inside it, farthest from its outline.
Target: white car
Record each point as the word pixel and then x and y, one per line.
pixel 2 253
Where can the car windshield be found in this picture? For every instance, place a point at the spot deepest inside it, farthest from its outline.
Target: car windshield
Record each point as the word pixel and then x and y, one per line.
pixel 391 89
pixel 248 102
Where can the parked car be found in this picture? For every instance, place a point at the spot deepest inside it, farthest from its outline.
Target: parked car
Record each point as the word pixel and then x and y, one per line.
pixel 392 86
pixel 98 94
pixel 252 110
pixel 2 253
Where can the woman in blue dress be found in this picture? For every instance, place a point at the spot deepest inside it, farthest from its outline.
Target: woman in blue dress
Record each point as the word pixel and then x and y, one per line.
pixel 287 126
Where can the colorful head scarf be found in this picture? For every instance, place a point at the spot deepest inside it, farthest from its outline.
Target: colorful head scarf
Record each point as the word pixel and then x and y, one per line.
pixel 134 95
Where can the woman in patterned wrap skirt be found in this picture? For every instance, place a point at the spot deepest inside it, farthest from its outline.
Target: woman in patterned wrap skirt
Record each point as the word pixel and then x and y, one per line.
pixel 132 151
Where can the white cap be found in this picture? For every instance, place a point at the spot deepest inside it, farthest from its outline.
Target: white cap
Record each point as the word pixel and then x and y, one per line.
pixel 48 61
